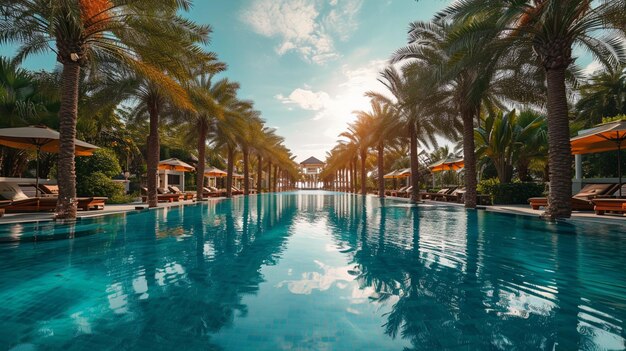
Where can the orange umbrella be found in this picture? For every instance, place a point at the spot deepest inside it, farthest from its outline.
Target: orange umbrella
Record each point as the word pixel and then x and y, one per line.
pixel 174 164
pixel 214 172
pixel 392 174
pixel 604 137
pixel 40 138
pixel 447 165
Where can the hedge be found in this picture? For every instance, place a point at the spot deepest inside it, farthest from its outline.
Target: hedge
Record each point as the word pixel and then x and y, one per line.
pixel 510 193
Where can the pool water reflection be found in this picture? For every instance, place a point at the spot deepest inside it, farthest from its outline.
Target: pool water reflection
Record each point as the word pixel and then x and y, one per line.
pixel 312 271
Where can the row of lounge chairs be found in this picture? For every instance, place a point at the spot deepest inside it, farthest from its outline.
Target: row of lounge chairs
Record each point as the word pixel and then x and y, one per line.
pixel 448 194
pixel 46 202
pixel 601 198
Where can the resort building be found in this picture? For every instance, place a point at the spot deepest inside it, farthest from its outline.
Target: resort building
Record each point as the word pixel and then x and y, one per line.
pixel 311 168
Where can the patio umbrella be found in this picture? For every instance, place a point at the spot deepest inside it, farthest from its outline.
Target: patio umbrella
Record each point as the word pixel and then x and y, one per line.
pixel 448 164
pixel 604 137
pixel 174 164
pixel 40 138
pixel 214 172
pixel 391 175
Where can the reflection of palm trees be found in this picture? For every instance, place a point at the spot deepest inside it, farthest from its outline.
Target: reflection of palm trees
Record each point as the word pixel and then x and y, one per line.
pixel 456 283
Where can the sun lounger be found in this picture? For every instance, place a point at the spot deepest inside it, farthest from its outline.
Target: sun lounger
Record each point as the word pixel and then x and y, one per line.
pixel 208 192
pixel 604 205
pixel 401 190
pixel 439 195
pixel 582 200
pixel 160 197
pixel 176 190
pixel 455 196
pixel 4 203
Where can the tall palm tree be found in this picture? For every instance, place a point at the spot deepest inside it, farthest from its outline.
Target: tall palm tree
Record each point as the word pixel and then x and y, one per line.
pixel 382 125
pixel 551 28
pixel 247 139
pixel 417 108
pixel 141 34
pixel 361 137
pixel 212 100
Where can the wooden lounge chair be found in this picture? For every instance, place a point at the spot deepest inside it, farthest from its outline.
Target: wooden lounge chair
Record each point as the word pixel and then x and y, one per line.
pixel 176 190
pixel 4 203
pixel 455 196
pixel 401 190
pixel 582 200
pixel 612 205
pixel 405 193
pixel 85 203
pixel 160 197
pixel 208 192
pixel 439 195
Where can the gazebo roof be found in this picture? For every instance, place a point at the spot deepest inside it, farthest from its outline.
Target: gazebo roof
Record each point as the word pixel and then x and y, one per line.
pixel 312 161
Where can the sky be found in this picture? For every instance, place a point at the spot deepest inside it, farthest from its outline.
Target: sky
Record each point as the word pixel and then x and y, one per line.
pixel 306 64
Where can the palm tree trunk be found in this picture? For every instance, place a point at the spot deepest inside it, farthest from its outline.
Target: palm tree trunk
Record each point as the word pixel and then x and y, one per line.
pixel 246 171
pixel 414 163
pixel 352 177
pixel 363 175
pixel 559 148
pixel 202 135
pixel 66 204
pixel 269 176
pixel 469 157
pixel 259 176
pixel 381 166
pixel 276 178
pixel 153 152
pixel 229 171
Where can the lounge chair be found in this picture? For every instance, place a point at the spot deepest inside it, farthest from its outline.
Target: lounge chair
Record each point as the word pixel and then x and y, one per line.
pixel 4 203
pixel 439 195
pixel 582 200
pixel 85 203
pixel 236 191
pixel 405 193
pixel 160 197
pixel 176 190
pixel 455 196
pixel 401 190
pixel 208 192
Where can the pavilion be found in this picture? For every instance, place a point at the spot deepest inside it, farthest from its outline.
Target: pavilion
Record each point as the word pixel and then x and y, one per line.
pixel 311 168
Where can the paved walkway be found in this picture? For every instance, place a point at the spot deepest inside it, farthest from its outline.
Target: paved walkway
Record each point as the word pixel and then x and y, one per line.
pixel 108 209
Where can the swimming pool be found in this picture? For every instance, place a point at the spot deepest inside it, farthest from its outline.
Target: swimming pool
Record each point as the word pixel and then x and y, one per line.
pixel 312 271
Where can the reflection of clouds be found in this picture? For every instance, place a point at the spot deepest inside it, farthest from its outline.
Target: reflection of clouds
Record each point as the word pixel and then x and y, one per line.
pixel 522 304
pixel 319 281
pixel 117 298
pixel 172 272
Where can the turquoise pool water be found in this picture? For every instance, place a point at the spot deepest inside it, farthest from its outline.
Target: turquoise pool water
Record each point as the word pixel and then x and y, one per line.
pixel 312 271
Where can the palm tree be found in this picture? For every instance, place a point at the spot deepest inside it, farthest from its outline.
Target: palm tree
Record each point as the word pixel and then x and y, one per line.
pixel 416 106
pixel 603 96
pixel 212 100
pixel 141 35
pixel 551 28
pixel 382 124
pixel 360 136
pixel 247 139
pixel 503 137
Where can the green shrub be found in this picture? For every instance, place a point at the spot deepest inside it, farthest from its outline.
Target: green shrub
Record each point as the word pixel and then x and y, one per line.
pixel 102 160
pixel 122 198
pixel 99 184
pixel 509 193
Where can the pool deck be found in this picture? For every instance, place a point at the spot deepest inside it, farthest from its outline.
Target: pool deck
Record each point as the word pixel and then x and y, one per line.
pixel 10 218
pixel 525 210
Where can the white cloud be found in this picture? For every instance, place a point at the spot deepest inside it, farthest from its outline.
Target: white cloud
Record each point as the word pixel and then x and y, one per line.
pixel 307 27
pixel 334 111
pixel 306 99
